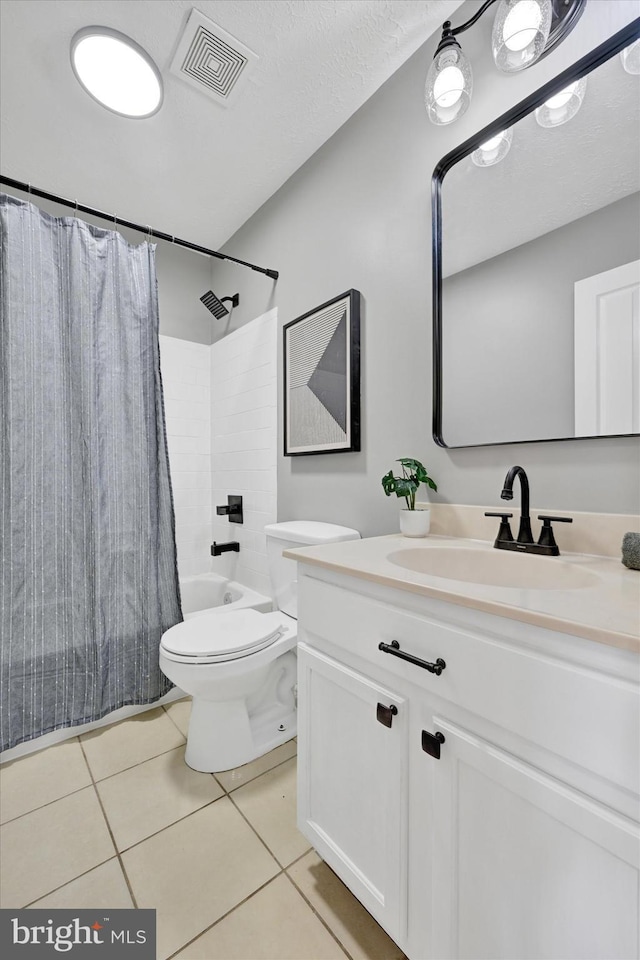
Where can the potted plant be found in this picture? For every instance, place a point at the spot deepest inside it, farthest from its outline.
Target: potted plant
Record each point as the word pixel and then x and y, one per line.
pixel 413 523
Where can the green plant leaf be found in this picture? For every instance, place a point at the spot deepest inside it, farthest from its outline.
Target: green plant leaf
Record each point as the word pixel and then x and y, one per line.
pixel 410 464
pixel 389 483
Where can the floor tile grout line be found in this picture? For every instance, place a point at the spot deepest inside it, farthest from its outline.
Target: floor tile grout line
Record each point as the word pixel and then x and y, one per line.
pixel 224 915
pixel 313 909
pixel 262 841
pixel 167 826
pixel 113 839
pixel 92 779
pixel 132 765
pixel 258 775
pixel 48 803
pixel 208 804
pixel 165 708
pixel 27 906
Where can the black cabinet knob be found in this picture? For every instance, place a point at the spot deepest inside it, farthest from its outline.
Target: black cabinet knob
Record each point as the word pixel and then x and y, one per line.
pixel 431 743
pixel 385 714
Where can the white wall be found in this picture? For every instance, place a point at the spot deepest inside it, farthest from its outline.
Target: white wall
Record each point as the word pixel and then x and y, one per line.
pixel 243 444
pixel 185 368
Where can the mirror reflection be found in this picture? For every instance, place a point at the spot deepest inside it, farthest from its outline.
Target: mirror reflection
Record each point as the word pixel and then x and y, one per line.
pixel 540 311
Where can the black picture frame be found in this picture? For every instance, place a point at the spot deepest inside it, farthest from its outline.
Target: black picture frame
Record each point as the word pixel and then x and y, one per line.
pixel 321 378
pixel 582 67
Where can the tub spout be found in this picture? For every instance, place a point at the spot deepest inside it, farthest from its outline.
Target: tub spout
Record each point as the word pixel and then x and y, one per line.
pixel 219 548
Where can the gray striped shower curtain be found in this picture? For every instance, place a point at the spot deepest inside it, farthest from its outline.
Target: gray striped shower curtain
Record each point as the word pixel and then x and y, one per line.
pixel 88 578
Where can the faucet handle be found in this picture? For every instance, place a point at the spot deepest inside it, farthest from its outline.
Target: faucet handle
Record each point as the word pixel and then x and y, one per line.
pixel 546 538
pixel 504 533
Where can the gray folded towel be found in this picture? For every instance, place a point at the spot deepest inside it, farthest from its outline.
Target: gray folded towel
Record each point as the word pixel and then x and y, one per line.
pixel 631 550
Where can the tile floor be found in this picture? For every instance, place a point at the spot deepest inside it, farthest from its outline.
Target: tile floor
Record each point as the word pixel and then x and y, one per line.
pixel 115 818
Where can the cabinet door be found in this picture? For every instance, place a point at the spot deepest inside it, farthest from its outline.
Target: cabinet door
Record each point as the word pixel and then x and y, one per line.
pixel 352 782
pixel 524 866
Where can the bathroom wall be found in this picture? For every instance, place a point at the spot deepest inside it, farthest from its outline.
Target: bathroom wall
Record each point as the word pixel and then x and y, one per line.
pixel 186 379
pixel 243 444
pixel 358 214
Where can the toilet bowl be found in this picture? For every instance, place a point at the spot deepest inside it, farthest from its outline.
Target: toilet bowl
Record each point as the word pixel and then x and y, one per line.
pixel 240 666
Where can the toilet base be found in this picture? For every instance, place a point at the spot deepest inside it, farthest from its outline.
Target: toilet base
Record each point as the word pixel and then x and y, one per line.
pixel 242 741
pixel 224 734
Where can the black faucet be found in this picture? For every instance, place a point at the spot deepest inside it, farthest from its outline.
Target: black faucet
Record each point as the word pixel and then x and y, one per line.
pixel 524 543
pixel 219 548
pixel 524 532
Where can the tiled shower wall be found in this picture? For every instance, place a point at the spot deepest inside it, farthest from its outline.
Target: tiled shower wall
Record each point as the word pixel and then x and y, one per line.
pixel 186 379
pixel 243 444
pixel 221 415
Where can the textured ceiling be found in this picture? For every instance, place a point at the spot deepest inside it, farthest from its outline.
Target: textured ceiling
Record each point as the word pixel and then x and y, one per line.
pixel 196 170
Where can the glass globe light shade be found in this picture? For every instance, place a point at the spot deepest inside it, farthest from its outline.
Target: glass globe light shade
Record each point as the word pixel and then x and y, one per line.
pixel 520 33
pixel 449 85
pixel 493 150
pixel 116 72
pixel 562 106
pixel 630 57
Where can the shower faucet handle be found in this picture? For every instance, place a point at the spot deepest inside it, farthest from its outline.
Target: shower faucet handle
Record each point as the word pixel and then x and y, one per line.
pixel 233 509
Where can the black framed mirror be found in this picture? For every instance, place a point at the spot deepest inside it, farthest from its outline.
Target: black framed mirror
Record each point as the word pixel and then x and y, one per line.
pixel 536 264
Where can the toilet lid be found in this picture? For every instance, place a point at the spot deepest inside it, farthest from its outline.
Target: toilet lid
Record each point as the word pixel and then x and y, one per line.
pixel 223 634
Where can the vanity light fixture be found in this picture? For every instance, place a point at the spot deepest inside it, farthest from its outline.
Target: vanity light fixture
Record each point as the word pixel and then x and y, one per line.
pixel 493 150
pixel 562 106
pixel 630 57
pixel 523 32
pixel 116 72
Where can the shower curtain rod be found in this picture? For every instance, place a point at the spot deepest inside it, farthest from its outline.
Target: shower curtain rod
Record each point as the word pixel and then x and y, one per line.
pixel 117 221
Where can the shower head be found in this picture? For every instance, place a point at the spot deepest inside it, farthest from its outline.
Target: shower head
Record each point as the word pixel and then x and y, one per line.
pixel 216 307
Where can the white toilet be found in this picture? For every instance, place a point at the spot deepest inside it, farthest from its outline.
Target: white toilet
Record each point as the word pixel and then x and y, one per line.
pixel 240 666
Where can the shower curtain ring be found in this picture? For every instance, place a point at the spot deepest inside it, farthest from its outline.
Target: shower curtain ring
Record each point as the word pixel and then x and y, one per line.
pixel 148 238
pixel 29 188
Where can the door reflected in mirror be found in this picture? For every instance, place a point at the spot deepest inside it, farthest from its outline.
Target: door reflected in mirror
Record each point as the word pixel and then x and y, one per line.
pixel 537 267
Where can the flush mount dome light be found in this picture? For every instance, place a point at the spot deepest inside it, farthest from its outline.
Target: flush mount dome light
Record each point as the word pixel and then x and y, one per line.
pixel 116 72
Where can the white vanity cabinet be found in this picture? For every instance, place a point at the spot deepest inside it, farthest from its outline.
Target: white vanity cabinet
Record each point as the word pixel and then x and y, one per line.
pixel 521 839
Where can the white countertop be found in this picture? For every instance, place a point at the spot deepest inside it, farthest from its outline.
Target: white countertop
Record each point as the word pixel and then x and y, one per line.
pixel 607 610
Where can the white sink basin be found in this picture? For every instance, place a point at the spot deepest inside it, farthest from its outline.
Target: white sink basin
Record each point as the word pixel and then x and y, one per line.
pixel 495 568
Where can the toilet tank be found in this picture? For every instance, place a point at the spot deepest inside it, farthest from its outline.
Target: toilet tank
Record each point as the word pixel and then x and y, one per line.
pixel 283 572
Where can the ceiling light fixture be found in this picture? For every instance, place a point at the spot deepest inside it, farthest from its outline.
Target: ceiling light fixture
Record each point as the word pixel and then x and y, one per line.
pixel 116 72
pixel 523 32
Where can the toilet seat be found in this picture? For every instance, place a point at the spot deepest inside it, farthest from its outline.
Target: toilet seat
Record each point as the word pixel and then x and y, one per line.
pixel 222 636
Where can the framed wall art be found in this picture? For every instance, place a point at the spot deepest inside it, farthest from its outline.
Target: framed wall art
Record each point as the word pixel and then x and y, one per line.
pixel 322 378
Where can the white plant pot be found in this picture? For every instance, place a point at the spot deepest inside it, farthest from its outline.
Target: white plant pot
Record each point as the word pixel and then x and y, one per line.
pixel 415 523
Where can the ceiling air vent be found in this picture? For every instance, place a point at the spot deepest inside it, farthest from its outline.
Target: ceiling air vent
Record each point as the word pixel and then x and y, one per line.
pixel 211 60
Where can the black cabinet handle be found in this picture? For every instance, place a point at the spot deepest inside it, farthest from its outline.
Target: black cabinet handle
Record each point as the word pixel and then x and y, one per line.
pixel 385 715
pixel 431 743
pixel 394 649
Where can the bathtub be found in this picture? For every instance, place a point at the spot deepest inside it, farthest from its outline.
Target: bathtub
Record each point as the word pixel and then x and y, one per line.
pixel 206 592
pixel 200 595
